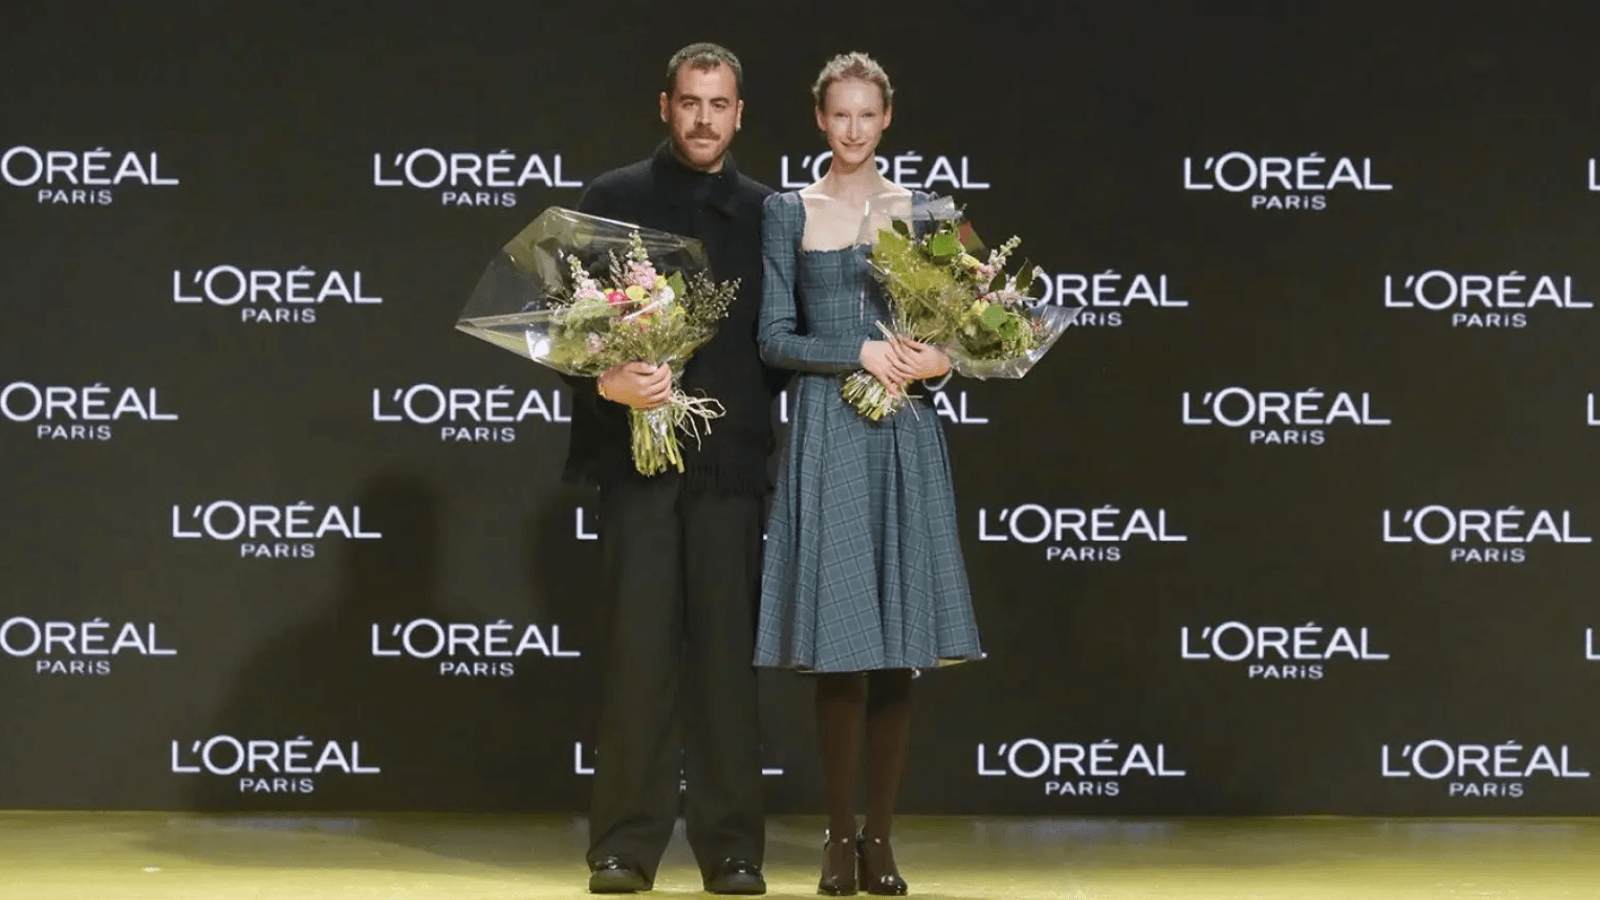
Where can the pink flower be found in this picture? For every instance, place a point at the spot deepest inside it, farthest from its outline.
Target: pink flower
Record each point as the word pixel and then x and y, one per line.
pixel 594 343
pixel 642 276
pixel 617 297
pixel 589 293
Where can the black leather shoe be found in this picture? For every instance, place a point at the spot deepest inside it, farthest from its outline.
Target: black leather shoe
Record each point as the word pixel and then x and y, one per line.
pixel 615 875
pixel 736 876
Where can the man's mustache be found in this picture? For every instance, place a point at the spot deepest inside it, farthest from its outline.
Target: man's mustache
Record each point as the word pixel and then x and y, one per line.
pixel 706 133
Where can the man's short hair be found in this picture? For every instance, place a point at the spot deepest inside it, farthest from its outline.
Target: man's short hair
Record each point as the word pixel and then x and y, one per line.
pixel 705 56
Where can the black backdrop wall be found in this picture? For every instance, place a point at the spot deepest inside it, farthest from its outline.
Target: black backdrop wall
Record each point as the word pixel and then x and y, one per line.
pixel 1300 521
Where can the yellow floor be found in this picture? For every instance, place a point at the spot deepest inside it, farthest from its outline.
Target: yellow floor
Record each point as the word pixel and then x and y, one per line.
pixel 158 856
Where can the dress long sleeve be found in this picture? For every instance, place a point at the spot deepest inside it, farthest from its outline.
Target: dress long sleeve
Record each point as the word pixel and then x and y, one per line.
pixel 782 344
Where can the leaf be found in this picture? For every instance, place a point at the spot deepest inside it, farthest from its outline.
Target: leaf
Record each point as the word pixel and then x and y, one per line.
pixel 944 245
pixel 902 228
pixel 891 243
pixel 994 318
pixel 675 281
pixel 997 282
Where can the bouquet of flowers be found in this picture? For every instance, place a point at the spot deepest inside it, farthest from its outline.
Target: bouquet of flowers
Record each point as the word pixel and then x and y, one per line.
pixel 926 257
pixel 561 295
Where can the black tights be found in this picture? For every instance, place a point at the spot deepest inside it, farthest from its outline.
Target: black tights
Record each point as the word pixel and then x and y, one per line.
pixel 882 702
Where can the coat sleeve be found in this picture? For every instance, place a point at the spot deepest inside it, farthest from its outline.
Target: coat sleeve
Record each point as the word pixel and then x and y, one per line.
pixel 782 345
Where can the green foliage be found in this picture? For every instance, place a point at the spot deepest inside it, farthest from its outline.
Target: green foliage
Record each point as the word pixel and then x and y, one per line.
pixel 994 318
pixel 936 297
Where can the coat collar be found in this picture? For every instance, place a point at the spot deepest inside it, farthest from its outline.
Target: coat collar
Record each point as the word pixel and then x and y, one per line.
pixel 683 186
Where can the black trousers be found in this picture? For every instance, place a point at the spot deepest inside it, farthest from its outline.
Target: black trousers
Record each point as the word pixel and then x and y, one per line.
pixel 683 584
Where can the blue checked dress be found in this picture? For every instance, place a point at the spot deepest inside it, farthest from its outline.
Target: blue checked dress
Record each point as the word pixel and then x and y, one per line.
pixel 863 566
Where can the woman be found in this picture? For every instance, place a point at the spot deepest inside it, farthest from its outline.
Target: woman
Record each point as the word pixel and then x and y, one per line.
pixel 863 581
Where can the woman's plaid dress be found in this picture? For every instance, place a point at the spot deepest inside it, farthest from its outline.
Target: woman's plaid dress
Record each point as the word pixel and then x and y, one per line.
pixel 863 566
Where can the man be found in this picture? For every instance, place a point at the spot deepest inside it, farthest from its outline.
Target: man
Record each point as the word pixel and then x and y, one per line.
pixel 682 553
